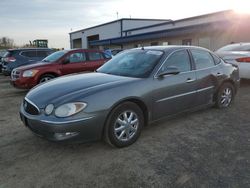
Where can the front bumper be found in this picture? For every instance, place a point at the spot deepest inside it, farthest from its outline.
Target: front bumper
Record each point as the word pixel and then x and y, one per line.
pixel 23 83
pixel 83 129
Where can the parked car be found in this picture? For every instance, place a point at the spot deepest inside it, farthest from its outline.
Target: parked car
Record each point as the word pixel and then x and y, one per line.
pixel 23 56
pixel 57 64
pixel 238 54
pixel 112 52
pixel 2 52
pixel 134 88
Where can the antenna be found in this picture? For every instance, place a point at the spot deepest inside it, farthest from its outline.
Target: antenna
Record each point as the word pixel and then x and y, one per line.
pixel 117 13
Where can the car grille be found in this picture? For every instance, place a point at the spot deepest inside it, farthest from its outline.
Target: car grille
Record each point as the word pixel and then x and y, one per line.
pixel 15 74
pixel 30 107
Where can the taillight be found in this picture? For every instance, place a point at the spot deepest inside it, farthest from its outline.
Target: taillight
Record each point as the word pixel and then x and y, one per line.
pixel 10 59
pixel 243 59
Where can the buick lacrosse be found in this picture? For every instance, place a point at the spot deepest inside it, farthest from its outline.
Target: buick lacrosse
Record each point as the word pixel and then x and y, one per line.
pixel 135 88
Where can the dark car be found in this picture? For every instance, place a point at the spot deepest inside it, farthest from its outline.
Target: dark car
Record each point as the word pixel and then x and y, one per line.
pixel 2 52
pixel 57 64
pixel 133 89
pixel 23 56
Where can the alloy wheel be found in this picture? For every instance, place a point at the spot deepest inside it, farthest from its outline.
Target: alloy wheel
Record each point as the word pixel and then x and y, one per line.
pixel 226 97
pixel 126 126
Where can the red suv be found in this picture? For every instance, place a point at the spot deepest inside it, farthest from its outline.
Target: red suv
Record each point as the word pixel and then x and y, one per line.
pixel 57 64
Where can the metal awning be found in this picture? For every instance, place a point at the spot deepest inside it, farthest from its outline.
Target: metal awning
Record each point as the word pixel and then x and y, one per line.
pixel 213 26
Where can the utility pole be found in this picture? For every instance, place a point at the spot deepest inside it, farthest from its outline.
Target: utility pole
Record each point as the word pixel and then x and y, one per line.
pixel 117 15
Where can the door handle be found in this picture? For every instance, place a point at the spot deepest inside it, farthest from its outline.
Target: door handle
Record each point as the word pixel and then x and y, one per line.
pixel 218 74
pixel 189 80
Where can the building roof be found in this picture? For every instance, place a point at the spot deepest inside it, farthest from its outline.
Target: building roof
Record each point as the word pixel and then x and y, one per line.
pixel 164 33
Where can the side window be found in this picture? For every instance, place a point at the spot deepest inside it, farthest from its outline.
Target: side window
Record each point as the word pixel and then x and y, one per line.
pixel 42 53
pixel 202 59
pixel 29 53
pixel 217 60
pixel 77 57
pixel 95 56
pixel 179 59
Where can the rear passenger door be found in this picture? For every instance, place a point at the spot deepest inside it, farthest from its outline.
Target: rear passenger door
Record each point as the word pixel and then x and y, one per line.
pixel 95 60
pixel 207 75
pixel 76 62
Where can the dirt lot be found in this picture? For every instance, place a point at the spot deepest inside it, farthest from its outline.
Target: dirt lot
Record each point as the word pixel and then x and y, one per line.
pixel 209 148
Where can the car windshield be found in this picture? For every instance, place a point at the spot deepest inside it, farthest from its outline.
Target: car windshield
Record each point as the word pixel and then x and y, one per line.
pixel 235 47
pixel 137 63
pixel 54 56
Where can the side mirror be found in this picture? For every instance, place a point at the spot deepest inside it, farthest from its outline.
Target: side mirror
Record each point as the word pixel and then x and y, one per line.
pixel 170 70
pixel 65 61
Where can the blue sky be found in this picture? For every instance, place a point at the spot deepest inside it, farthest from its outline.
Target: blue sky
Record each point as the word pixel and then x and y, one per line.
pixel 25 20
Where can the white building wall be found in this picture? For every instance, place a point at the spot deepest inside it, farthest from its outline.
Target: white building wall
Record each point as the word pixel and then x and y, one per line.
pixel 132 24
pixel 183 23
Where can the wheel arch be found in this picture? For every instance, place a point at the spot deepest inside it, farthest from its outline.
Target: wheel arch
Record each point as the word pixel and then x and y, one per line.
pixel 135 100
pixel 224 82
pixel 47 73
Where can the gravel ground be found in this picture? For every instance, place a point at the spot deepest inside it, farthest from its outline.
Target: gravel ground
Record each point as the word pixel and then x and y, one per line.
pixel 208 148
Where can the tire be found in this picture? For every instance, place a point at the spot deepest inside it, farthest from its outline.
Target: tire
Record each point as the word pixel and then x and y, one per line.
pixel 124 125
pixel 46 78
pixel 225 95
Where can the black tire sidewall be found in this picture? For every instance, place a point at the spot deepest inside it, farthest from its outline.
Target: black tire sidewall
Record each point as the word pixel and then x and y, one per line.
pixel 110 134
pixel 44 76
pixel 221 90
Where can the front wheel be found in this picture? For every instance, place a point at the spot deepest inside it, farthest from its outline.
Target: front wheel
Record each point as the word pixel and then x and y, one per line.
pixel 46 78
pixel 225 95
pixel 124 125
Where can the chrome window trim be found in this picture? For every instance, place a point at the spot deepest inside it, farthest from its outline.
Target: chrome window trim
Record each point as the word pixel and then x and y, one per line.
pixel 65 122
pixel 184 94
pixel 155 75
pixel 32 104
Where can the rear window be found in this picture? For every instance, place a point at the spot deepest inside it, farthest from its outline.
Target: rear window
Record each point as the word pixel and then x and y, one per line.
pixel 29 53
pixel 42 53
pixel 8 54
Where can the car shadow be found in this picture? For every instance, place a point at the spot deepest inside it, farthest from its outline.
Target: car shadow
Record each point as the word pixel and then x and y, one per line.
pixel 244 83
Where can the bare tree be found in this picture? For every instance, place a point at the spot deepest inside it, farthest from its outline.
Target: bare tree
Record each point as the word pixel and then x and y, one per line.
pixel 6 42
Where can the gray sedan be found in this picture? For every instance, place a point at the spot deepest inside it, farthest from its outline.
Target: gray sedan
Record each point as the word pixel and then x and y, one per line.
pixel 135 88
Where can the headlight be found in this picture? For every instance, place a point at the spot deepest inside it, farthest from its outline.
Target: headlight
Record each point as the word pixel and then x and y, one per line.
pixel 29 73
pixel 49 109
pixel 69 109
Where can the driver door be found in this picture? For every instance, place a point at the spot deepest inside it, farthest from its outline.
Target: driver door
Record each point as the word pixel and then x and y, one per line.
pixel 175 93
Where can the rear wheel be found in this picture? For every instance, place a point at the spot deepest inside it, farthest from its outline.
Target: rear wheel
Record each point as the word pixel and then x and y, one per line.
pixel 225 95
pixel 124 125
pixel 46 78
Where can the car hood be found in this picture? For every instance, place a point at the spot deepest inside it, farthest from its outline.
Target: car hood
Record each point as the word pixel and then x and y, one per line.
pixel 228 55
pixel 69 88
pixel 35 64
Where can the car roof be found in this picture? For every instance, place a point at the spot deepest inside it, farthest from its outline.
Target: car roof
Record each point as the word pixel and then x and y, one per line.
pixel 21 49
pixel 82 49
pixel 172 47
